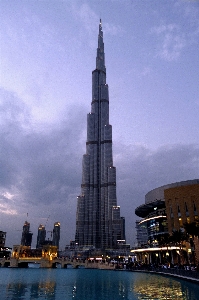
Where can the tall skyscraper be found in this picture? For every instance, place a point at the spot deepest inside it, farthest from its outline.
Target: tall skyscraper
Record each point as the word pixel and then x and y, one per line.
pixel 41 236
pixel 56 234
pixel 98 221
pixel 26 238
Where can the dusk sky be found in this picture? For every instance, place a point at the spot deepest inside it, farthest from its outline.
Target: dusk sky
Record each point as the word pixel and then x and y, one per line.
pixel 47 55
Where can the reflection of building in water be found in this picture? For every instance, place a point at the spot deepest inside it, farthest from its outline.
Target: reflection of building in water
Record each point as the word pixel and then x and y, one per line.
pixel 26 238
pixel 102 286
pixel 166 210
pixel 45 289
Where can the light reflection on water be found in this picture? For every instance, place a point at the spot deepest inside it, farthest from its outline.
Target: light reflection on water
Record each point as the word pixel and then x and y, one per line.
pixel 82 284
pixel 159 287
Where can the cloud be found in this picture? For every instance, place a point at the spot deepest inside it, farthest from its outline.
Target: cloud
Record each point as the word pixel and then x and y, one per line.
pixel 175 37
pixel 40 169
pixel 171 41
pixel 6 210
pixel 112 29
pixel 140 169
pixel 39 164
pixel 87 16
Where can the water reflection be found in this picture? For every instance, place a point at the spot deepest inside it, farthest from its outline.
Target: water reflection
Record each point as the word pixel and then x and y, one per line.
pixel 31 291
pixel 161 288
pixel 102 285
pixel 91 285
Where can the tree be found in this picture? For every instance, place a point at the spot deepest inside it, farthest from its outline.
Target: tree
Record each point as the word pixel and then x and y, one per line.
pixel 163 240
pixel 177 238
pixel 192 230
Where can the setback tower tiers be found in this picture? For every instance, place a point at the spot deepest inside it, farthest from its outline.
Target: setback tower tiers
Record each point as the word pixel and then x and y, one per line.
pixel 98 221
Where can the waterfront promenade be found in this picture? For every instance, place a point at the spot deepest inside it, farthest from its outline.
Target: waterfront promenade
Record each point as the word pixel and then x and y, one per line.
pixel 189 275
pixel 180 273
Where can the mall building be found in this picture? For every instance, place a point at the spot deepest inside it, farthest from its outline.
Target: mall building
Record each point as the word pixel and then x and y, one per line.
pixel 166 210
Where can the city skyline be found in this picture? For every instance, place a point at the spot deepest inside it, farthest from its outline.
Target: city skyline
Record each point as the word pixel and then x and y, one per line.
pixel 47 54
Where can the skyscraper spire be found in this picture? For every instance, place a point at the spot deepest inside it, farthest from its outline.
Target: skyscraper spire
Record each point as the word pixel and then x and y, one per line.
pixel 100 59
pixel 98 221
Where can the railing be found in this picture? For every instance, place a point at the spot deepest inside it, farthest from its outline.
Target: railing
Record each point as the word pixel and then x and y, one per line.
pixel 179 272
pixel 173 271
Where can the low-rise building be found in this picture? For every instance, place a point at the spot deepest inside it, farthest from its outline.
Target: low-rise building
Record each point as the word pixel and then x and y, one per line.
pixel 168 209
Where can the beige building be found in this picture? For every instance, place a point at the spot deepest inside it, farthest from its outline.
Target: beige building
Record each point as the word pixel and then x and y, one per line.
pixel 182 205
pixel 167 209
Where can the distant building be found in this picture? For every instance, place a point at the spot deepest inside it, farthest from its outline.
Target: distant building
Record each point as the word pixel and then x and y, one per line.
pixel 118 226
pixel 41 236
pixel 2 239
pixel 4 251
pixel 56 234
pixel 141 234
pixel 73 245
pixel 167 209
pixel 26 238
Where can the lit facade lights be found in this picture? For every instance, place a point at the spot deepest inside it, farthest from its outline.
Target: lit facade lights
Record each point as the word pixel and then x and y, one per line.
pixel 167 210
pixel 152 218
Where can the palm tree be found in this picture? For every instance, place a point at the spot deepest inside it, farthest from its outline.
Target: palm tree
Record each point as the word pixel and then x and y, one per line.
pixel 192 230
pixel 163 240
pixel 177 238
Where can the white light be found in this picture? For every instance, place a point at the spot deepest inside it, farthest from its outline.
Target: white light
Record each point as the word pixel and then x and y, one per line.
pixel 157 217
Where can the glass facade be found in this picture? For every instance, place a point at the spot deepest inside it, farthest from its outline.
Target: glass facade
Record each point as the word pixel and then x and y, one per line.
pixel 98 221
pixel 56 234
pixel 41 236
pixel 26 238
pixel 156 228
